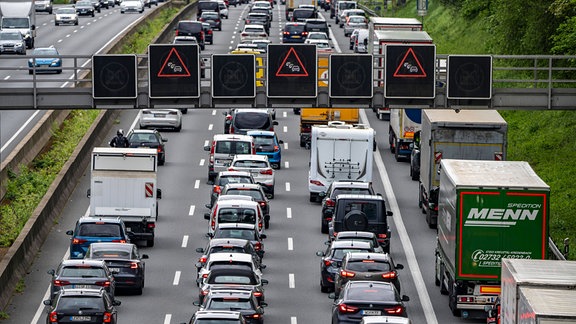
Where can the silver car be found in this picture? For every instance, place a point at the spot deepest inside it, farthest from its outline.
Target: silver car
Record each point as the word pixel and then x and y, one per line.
pixel 259 167
pixel 354 22
pixel 12 42
pixel 131 6
pixel 161 118
pixel 65 15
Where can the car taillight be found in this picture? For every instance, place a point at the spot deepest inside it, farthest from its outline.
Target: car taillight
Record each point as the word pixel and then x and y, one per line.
pixel 263 203
pixel 78 241
pixel 103 283
pixel 146 112
pixel 244 34
pixel 213 224
pixel 286 33
pixel 394 310
pixel 317 183
pixel 201 36
pixel 133 265
pixel 347 274
pixel 343 308
pixel 209 32
pixel 258 246
pixel 231 130
pixel 276 148
pixel 382 236
pixel 205 275
pixel 256 316
pixel 217 189
pixel 267 171
pixel 204 292
pixel 389 275
pixel 258 294
pixel 160 149
pixel 107 318
pixel 177 33
pixel 304 33
pixel 327 263
pixel 231 169
pixel 60 283
pixel 330 203
pixel 151 225
pixel 202 259
pixel 247 22
pixel 173 113
pixel 53 317
pixel 201 19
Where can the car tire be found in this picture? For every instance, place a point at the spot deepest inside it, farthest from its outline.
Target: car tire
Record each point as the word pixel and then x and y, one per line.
pixel 355 221
pixel 267 224
pixel 76 23
pixel 313 197
pixel 323 226
pixel 184 111
pixel 138 291
pixel 150 243
pixel 323 288
pixel 443 289
pixel 161 161
pixel 179 128
pixel 56 24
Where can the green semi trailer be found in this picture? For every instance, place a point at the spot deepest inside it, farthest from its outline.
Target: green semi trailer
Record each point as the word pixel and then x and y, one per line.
pixel 488 210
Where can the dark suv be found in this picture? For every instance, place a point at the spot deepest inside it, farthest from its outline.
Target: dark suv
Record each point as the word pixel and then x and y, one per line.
pixel 337 188
pixel 245 119
pixel 317 25
pixel 95 229
pixel 361 213
pixel 191 28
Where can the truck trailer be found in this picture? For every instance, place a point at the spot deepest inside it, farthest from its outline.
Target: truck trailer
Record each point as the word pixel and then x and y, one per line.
pixel 293 4
pixel 123 184
pixel 404 123
pixel 321 116
pixel 21 16
pixel 546 306
pixel 446 134
pixel 488 210
pixel 518 274
pixel 339 152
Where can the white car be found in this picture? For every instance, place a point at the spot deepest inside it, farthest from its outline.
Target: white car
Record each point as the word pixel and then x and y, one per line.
pixel 317 35
pixel 322 45
pixel 251 32
pixel 131 6
pixel 259 167
pixel 223 9
pixel 65 15
pixel 354 22
pixel 262 45
pixel 161 118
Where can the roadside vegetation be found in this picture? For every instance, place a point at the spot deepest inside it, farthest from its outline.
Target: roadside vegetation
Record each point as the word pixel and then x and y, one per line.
pixel 26 189
pixel 545 139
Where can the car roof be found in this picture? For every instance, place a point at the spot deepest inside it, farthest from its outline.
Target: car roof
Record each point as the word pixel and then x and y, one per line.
pixel 251 186
pixel 254 157
pixel 234 293
pixel 343 244
pixel 83 262
pixel 317 41
pixel 91 219
pixel 116 246
pixel 256 110
pixel 143 131
pixel 351 234
pixel 295 23
pixel 214 314
pixel 234 174
pixel 350 184
pixel 260 133
pixel 236 225
pixel 382 257
pixel 228 241
pixel 253 26
pixel 232 137
pixel 241 270
pixel 227 256
pixel 359 197
pixel 367 283
pixel 222 198
pixel 82 291
pixel 238 202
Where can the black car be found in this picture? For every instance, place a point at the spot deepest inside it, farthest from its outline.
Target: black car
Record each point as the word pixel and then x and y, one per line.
pixel 332 257
pixel 242 301
pixel 212 18
pixel 82 274
pixel 232 245
pixel 253 190
pixel 232 277
pixel 301 14
pixel 82 305
pixel 148 138
pixel 367 298
pixel 124 262
pixel 242 231
pixel 244 119
pixel 367 266
pixel 208 33
pixel 336 188
pixel 191 28
pixel 84 8
pixel 360 236
pixel 207 6
pixel 317 25
pixel 294 33
pixel 218 316
pixel 225 177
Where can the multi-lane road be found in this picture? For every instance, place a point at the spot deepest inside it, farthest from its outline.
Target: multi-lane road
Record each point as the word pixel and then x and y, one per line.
pixel 293 269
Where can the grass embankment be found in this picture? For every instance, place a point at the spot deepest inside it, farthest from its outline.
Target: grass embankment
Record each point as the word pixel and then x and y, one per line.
pixel 545 139
pixel 26 189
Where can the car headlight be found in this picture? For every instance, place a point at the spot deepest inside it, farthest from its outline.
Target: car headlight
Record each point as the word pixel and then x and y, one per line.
pixel 56 62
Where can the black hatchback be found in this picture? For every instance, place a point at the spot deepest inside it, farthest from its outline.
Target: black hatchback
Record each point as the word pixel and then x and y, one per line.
pixel 245 119
pixel 82 305
pixel 294 33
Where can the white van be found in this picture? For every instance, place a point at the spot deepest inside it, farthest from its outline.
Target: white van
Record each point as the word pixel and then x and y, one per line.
pixel 223 149
pixel 385 320
pixel 361 41
pixel 235 211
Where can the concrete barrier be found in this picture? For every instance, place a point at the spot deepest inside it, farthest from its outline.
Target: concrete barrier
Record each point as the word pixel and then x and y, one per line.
pixel 20 255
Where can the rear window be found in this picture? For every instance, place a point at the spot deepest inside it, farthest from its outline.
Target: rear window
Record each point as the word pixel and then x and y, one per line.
pixel 237 215
pixel 294 28
pixel 340 253
pixel 256 194
pixel 208 5
pixel 111 254
pixel 253 30
pixel 231 249
pixel 371 293
pixel 229 304
pixel 233 147
pixel 83 272
pixel 236 233
pixel 226 180
pixel 250 164
pixel 229 279
pixel 316 25
pixel 368 266
pixel 190 27
pixel 370 209
pixel 357 19
pixel 99 230
pixel 71 304
pixel 356 191
pixel 303 13
pixel 252 120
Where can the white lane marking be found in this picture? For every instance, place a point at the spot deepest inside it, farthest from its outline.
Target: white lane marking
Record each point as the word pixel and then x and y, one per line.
pixel 286 145
pixel 287 186
pixel 293 320
pixel 291 282
pixel 403 235
pixel 286 165
pixel 59 41
pixel 206 143
pixel 68 35
pixel 167 318
pixel 288 212
pixel 18 133
pixel 7 77
pixel 191 211
pixel 214 112
pixel 285 128
pixel 284 114
pixel 40 310
pixel 185 241
pixel 176 278
pixel 202 161
pixel 210 126
pixel 290 244
pixel 196 184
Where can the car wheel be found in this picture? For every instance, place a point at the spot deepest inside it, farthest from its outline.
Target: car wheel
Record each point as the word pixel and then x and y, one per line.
pixel 443 289
pixel 138 291
pixel 323 288
pixel 161 161
pixel 313 197
pixel 184 111
pixel 179 128
pixel 59 71
pixel 55 24
pixel 266 224
pixel 324 227
pixel 150 243
pixel 29 71
pixel 76 23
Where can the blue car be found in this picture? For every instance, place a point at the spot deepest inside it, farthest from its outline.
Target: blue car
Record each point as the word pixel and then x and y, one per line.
pixel 47 60
pixel 267 143
pixel 95 229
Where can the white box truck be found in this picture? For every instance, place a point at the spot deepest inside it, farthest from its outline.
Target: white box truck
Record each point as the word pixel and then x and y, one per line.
pixel 546 306
pixel 404 123
pixel 522 273
pixel 339 151
pixel 19 15
pixel 123 183
pixel 447 134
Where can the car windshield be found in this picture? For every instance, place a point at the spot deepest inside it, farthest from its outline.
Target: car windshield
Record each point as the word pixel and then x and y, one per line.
pixel 82 272
pixel 253 30
pixel 72 304
pixel 338 254
pixel 226 180
pixel 210 14
pixel 317 36
pixel 230 303
pixel 256 194
pixel 227 248
pixel 294 28
pixel 232 279
pixel 371 294
pixel 189 27
pixel 250 164
pixel 67 11
pixel 217 321
pixel 368 266
pixel 303 13
pixel 264 140
pixel 99 230
pixel 44 51
pixel 115 254
pixel 356 191
pixel 357 20
pixel 237 215
pixel 370 209
pixel 236 233
pixel 142 138
pixel 233 147
pixel 10 36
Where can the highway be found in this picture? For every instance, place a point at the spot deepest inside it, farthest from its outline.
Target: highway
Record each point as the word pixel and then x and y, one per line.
pixel 293 269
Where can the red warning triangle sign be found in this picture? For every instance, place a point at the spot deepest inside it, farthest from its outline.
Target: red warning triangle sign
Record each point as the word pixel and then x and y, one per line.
pixel 292 66
pixel 173 66
pixel 410 66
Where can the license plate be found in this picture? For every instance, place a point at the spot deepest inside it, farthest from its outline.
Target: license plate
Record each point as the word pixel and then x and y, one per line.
pixel 371 312
pixel 81 286
pixel 295 36
pixel 80 318
pixel 159 115
pixel 115 270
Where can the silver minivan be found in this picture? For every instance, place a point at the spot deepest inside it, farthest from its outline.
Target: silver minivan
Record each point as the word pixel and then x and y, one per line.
pixel 223 149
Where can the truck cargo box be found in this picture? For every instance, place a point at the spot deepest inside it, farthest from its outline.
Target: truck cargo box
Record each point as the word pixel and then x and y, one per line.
pixel 546 306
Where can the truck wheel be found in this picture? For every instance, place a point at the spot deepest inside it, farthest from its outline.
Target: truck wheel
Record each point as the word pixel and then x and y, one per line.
pixel 443 289
pixel 302 142
pixel 452 301
pixel 355 221
pixel 396 156
pixel 150 243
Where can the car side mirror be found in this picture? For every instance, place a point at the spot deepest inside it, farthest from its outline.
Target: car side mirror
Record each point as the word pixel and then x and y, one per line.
pixel 339 264
pixel 116 302
pixel 208 206
pixel 158 193
pixel 275 123
pixel 389 213
pixel 209 235
pixel 327 242
pixel 320 253
pixel 70 232
pixel 199 280
pixel 264 282
pixel 196 303
pixel 164 140
pixel 322 194
pixel 51 272
pixel 88 193
pixel 399 266
pixel 198 265
pixel 263 304
pixel 47 302
pixel 144 256
pixel 200 250
pixel 332 296
pixel 280 142
pixel 262 266
pixel 207 148
pixel 207 216
pixel 405 298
